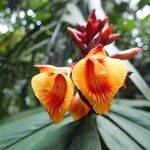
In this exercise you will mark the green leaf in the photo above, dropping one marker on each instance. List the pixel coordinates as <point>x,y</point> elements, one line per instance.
<point>125,127</point>
<point>125,24</point>
<point>13,131</point>
<point>113,136</point>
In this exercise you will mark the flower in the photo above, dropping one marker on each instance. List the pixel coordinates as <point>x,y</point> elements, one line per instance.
<point>54,89</point>
<point>93,34</point>
<point>99,77</point>
<point>78,108</point>
<point>96,76</point>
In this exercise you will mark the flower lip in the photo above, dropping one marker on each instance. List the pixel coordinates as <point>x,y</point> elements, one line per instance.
<point>99,78</point>
<point>54,91</point>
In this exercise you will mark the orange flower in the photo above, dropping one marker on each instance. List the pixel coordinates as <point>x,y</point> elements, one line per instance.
<point>54,89</point>
<point>99,77</point>
<point>78,108</point>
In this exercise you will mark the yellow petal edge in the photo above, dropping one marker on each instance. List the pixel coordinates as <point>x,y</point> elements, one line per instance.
<point>99,78</point>
<point>55,92</point>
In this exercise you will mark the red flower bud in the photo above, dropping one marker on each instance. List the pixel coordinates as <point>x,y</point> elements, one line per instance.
<point>102,24</point>
<point>93,16</point>
<point>127,54</point>
<point>80,27</point>
<point>112,38</point>
<point>92,34</point>
<point>106,33</point>
<point>76,36</point>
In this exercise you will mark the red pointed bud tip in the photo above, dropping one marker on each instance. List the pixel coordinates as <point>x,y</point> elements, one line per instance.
<point>93,16</point>
<point>73,32</point>
<point>113,38</point>
<point>96,25</point>
<point>127,54</point>
<point>80,27</point>
<point>89,30</point>
<point>106,32</point>
<point>103,22</point>
<point>76,36</point>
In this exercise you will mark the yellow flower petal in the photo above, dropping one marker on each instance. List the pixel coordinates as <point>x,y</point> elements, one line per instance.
<point>78,108</point>
<point>55,92</point>
<point>52,69</point>
<point>99,78</point>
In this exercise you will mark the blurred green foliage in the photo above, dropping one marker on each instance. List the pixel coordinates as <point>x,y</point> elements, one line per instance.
<point>33,32</point>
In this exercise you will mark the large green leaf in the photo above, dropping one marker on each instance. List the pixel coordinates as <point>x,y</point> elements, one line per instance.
<point>126,127</point>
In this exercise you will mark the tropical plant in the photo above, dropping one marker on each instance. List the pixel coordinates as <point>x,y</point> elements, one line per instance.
<point>43,40</point>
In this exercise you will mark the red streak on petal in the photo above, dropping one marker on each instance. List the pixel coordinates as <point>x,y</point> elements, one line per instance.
<point>100,87</point>
<point>56,97</point>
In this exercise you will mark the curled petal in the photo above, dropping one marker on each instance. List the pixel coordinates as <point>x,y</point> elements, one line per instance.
<point>51,69</point>
<point>99,78</point>
<point>127,54</point>
<point>78,108</point>
<point>55,92</point>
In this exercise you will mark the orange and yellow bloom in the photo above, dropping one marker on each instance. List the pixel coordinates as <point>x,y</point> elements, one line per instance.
<point>96,77</point>
<point>78,108</point>
<point>54,89</point>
